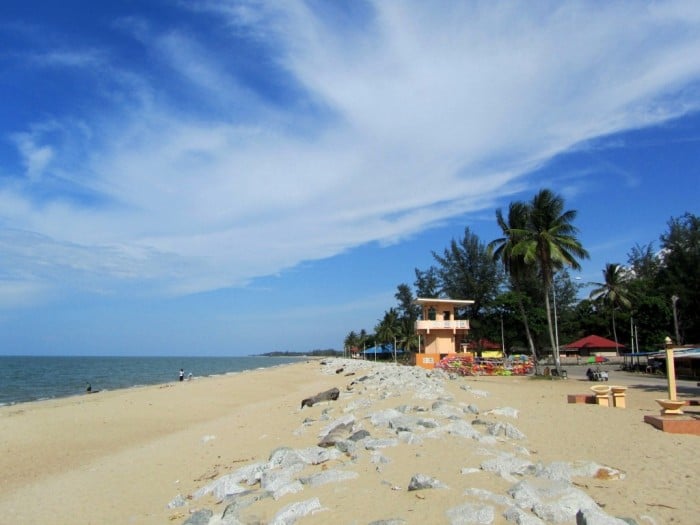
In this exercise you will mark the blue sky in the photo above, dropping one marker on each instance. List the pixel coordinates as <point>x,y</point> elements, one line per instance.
<point>225,178</point>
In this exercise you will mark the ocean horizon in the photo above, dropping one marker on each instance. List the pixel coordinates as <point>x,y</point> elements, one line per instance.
<point>35,378</point>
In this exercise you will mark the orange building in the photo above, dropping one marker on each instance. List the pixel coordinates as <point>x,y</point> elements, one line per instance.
<point>440,333</point>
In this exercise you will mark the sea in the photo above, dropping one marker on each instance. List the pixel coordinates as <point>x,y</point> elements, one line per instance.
<point>33,378</point>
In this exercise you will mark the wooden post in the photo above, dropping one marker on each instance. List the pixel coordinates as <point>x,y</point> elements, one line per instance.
<point>670,370</point>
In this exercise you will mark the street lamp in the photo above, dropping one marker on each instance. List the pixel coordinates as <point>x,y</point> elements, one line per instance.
<point>674,300</point>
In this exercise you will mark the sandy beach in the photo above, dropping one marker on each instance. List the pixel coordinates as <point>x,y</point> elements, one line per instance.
<point>122,457</point>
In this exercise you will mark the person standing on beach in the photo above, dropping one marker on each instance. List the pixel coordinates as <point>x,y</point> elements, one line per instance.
<point>182,375</point>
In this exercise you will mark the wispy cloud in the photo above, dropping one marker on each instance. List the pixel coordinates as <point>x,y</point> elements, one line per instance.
<point>414,114</point>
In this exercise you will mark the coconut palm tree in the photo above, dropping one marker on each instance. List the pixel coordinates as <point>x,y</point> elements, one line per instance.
<point>613,290</point>
<point>517,270</point>
<point>388,329</point>
<point>407,337</point>
<point>549,244</point>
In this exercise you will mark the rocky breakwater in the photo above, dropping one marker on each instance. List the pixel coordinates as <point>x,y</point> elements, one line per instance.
<point>390,416</point>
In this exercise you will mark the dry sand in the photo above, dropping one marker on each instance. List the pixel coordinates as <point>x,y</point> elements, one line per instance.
<point>119,457</point>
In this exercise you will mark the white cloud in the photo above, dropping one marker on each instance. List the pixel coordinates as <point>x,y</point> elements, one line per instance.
<point>35,158</point>
<point>422,112</point>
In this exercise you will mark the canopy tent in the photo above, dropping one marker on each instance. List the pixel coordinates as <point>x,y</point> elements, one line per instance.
<point>591,344</point>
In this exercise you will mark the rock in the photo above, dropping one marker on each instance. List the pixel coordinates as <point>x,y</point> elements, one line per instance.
<point>374,444</point>
<point>462,428</point>
<point>199,517</point>
<point>428,423</point>
<point>422,482</point>
<point>281,482</point>
<point>443,409</point>
<point>177,502</point>
<point>562,470</point>
<point>292,512</point>
<point>596,516</point>
<point>480,393</point>
<point>486,495</point>
<point>496,429</point>
<point>506,465</point>
<point>472,409</point>
<point>337,431</point>
<point>520,517</point>
<point>285,457</point>
<point>359,435</point>
<point>468,513</point>
<point>505,411</point>
<point>346,446</point>
<point>379,459</point>
<point>241,501</point>
<point>329,476</point>
<point>328,395</point>
<point>410,438</point>
<point>404,423</point>
<point>384,417</point>
<point>552,501</point>
<point>222,487</point>
<point>592,469</point>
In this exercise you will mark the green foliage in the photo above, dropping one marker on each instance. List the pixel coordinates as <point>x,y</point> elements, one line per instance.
<point>427,283</point>
<point>512,278</point>
<point>466,270</point>
<point>614,291</point>
<point>679,274</point>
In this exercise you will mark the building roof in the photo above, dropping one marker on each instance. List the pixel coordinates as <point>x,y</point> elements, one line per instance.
<point>485,344</point>
<point>594,341</point>
<point>456,302</point>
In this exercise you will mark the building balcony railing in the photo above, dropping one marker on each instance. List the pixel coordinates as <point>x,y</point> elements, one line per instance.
<point>457,324</point>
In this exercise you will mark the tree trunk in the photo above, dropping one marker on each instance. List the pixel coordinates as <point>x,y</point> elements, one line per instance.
<point>528,335</point>
<point>617,348</point>
<point>555,350</point>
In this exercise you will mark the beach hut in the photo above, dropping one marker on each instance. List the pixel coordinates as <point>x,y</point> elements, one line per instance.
<point>593,345</point>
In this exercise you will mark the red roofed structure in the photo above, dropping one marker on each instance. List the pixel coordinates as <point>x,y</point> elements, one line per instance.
<point>593,345</point>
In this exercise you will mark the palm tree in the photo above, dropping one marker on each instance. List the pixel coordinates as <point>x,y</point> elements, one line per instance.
<point>407,336</point>
<point>350,342</point>
<point>549,243</point>
<point>387,330</point>
<point>613,290</point>
<point>502,249</point>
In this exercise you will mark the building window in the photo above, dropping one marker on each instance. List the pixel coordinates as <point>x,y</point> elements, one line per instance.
<point>431,314</point>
